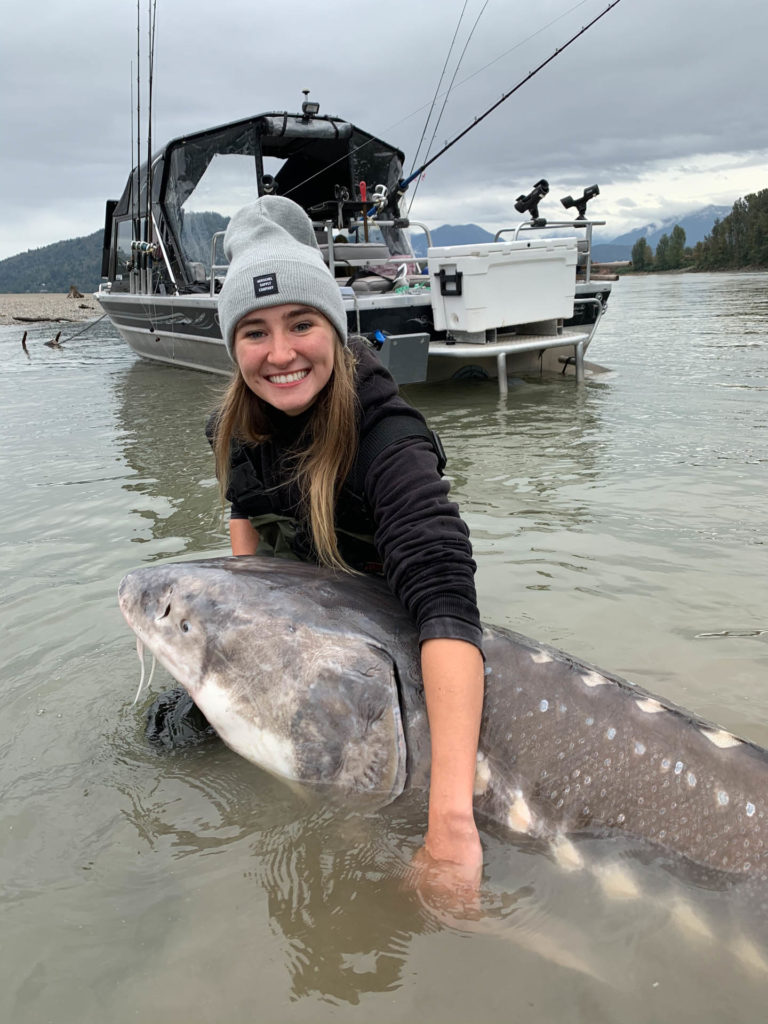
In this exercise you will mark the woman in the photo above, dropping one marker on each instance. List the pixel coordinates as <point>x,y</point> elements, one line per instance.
<point>321,459</point>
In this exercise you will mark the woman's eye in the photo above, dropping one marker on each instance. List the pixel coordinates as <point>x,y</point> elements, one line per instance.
<point>303,325</point>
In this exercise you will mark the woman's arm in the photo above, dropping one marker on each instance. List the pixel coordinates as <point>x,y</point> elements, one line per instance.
<point>243,537</point>
<point>453,684</point>
<point>429,566</point>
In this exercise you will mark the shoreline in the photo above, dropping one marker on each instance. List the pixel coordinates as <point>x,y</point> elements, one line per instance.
<point>29,308</point>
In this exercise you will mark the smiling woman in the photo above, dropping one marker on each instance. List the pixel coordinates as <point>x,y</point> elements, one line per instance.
<point>323,461</point>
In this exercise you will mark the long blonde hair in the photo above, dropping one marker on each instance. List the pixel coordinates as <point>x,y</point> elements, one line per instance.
<point>322,467</point>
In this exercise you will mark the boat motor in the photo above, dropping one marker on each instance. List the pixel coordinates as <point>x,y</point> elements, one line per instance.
<point>530,203</point>
<point>581,203</point>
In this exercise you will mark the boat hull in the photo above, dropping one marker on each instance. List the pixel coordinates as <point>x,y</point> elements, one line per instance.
<point>183,330</point>
<point>177,330</point>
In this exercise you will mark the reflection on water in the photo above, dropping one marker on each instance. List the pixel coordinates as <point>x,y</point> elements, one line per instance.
<point>324,875</point>
<point>161,418</point>
<point>623,521</point>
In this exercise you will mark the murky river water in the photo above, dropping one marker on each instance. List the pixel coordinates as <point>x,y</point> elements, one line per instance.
<point>623,521</point>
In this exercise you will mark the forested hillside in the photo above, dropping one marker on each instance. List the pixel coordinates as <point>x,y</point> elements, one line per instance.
<point>55,267</point>
<point>78,260</point>
<point>739,240</point>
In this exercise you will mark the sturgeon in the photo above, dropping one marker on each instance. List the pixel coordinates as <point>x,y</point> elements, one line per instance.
<point>315,677</point>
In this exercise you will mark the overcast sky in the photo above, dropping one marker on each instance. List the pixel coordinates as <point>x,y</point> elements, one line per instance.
<point>662,103</point>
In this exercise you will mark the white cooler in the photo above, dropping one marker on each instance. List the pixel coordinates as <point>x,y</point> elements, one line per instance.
<point>475,288</point>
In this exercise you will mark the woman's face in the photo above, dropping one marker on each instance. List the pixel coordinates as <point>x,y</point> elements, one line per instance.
<point>285,354</point>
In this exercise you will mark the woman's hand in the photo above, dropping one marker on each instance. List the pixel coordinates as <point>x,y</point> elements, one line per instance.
<point>449,867</point>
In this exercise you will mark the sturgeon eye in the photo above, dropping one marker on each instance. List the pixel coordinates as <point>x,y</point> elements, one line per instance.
<point>184,626</point>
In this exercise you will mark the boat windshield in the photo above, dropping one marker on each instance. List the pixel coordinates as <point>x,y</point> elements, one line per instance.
<point>211,175</point>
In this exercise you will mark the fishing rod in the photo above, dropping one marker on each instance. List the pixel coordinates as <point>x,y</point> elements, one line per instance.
<point>405,182</point>
<point>148,175</point>
<point>137,229</point>
<point>133,190</point>
<point>151,22</point>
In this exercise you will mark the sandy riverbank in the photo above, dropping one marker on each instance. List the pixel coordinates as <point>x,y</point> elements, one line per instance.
<point>42,307</point>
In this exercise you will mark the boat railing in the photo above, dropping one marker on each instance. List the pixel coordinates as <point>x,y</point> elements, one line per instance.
<point>530,225</point>
<point>216,266</point>
<point>396,224</point>
<point>599,305</point>
<point>169,269</point>
<point>329,228</point>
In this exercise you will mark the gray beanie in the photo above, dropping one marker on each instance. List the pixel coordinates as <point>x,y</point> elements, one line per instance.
<point>275,259</point>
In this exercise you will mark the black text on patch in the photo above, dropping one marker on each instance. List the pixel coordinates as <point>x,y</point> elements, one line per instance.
<point>265,284</point>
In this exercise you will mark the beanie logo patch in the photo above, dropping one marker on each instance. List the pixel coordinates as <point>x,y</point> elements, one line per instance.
<point>265,284</point>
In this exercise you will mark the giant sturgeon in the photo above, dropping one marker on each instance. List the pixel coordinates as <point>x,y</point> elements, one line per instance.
<point>315,677</point>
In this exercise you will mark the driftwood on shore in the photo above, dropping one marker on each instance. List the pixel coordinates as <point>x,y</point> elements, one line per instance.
<point>44,320</point>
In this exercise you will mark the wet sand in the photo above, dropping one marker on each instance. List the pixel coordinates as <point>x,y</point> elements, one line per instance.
<point>43,307</point>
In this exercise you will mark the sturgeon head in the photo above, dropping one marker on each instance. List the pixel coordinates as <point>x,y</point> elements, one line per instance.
<point>285,670</point>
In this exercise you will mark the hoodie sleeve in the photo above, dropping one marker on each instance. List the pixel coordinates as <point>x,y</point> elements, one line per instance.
<point>420,535</point>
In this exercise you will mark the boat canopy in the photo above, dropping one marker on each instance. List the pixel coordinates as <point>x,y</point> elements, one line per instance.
<point>198,181</point>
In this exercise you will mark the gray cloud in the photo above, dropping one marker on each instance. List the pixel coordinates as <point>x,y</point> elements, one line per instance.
<point>655,80</point>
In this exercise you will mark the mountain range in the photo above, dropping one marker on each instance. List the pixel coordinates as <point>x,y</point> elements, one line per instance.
<point>77,261</point>
<point>696,226</point>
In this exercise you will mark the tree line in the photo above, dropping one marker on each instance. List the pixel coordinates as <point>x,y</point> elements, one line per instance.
<point>737,242</point>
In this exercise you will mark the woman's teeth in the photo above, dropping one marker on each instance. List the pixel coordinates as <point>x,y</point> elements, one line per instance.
<point>288,378</point>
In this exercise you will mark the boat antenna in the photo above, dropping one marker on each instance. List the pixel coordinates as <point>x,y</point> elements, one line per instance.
<point>405,182</point>
<point>439,83</point>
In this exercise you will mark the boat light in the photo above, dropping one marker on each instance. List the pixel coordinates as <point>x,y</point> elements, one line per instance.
<point>309,108</point>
